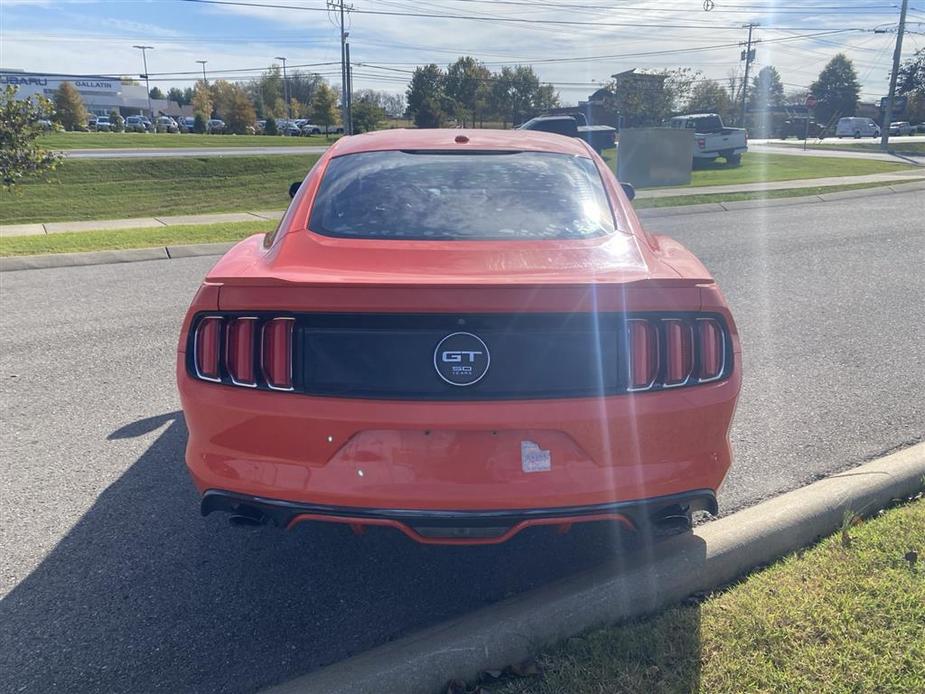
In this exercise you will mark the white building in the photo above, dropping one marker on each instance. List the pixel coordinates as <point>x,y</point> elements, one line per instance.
<point>101,94</point>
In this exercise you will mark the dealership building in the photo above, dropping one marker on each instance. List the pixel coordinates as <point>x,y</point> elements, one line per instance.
<point>101,94</point>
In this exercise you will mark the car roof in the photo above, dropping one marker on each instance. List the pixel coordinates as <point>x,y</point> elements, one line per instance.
<point>446,139</point>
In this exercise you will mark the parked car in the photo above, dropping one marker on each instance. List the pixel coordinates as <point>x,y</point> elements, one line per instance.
<point>166,124</point>
<point>186,124</point>
<point>45,124</point>
<point>712,139</point>
<point>260,126</point>
<point>801,127</point>
<point>136,124</point>
<point>459,334</point>
<point>857,127</point>
<point>332,130</point>
<point>287,127</point>
<point>600,137</point>
<point>91,121</point>
<point>310,129</point>
<point>902,127</point>
<point>102,125</point>
<point>215,126</point>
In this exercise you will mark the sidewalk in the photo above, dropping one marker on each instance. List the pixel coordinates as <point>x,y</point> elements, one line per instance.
<point>273,215</point>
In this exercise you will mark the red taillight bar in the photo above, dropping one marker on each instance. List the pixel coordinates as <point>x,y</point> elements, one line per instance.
<point>679,352</point>
<point>277,353</point>
<point>643,353</point>
<point>712,348</point>
<point>239,351</point>
<point>207,341</point>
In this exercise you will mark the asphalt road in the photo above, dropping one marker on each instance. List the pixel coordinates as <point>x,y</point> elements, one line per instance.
<point>113,582</point>
<point>161,153</point>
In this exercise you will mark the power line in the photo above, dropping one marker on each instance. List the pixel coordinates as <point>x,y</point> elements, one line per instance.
<point>516,20</point>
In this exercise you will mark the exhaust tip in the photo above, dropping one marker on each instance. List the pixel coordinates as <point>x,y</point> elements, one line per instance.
<point>246,517</point>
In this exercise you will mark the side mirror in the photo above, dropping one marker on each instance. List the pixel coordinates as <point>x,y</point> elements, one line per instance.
<point>629,190</point>
<point>294,188</point>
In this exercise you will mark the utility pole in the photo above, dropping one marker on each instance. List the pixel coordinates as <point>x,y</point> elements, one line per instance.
<point>286,88</point>
<point>349,129</point>
<point>144,60</point>
<point>203,63</point>
<point>897,53</point>
<point>748,55</point>
<point>341,8</point>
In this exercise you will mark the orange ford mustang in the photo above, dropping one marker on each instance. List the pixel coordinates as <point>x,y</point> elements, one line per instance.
<point>459,334</point>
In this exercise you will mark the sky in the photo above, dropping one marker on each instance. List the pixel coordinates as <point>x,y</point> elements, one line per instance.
<point>575,45</point>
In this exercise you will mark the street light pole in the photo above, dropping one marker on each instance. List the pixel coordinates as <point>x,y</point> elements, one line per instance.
<point>204,79</point>
<point>897,54</point>
<point>144,60</point>
<point>749,56</point>
<point>286,87</point>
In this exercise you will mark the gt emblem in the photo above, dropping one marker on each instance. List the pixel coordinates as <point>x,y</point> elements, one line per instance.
<point>461,359</point>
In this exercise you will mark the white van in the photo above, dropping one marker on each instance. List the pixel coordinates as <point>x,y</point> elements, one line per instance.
<point>856,127</point>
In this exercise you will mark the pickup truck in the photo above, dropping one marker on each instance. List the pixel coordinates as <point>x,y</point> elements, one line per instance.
<point>712,139</point>
<point>600,137</point>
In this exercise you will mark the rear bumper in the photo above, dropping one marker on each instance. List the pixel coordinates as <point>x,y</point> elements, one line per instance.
<point>460,527</point>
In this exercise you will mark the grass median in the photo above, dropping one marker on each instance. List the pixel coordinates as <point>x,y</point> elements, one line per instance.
<point>119,188</point>
<point>844,616</point>
<point>758,167</point>
<point>65,141</point>
<point>897,145</point>
<point>78,242</point>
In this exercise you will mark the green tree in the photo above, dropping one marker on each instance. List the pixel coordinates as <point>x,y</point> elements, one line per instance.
<point>156,93</point>
<point>117,121</point>
<point>324,106</point>
<point>709,96</point>
<point>181,96</point>
<point>426,97</point>
<point>199,124</point>
<point>20,155</point>
<point>911,76</point>
<point>837,89</point>
<point>366,115</point>
<point>202,100</point>
<point>270,128</point>
<point>467,85</point>
<point>767,89</point>
<point>70,111</point>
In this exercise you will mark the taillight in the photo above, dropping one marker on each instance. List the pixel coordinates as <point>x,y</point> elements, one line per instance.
<point>277,353</point>
<point>207,347</point>
<point>239,351</point>
<point>642,342</point>
<point>711,345</point>
<point>679,351</point>
<point>701,143</point>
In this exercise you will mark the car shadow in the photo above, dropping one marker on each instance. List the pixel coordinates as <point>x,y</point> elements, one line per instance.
<point>143,594</point>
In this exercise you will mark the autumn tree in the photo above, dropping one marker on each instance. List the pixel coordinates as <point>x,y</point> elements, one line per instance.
<point>836,90</point>
<point>202,100</point>
<point>20,155</point>
<point>324,106</point>
<point>239,114</point>
<point>70,111</point>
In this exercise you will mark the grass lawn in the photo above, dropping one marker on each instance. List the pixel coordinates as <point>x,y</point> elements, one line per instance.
<point>897,144</point>
<point>77,242</point>
<point>761,166</point>
<point>174,140</point>
<point>843,616</point>
<point>678,200</point>
<point>117,188</point>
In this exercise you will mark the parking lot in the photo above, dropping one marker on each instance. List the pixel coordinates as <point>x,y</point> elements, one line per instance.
<point>112,581</point>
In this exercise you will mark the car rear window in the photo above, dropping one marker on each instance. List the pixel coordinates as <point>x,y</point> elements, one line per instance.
<point>453,195</point>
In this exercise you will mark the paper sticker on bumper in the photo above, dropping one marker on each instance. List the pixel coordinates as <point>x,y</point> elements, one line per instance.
<point>533,458</point>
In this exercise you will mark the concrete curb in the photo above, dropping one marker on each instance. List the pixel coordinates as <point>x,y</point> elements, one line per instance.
<point>714,555</point>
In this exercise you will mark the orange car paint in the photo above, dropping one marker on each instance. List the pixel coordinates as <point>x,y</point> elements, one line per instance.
<point>457,455</point>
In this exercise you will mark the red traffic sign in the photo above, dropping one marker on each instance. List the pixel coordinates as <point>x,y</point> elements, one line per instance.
<point>810,101</point>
